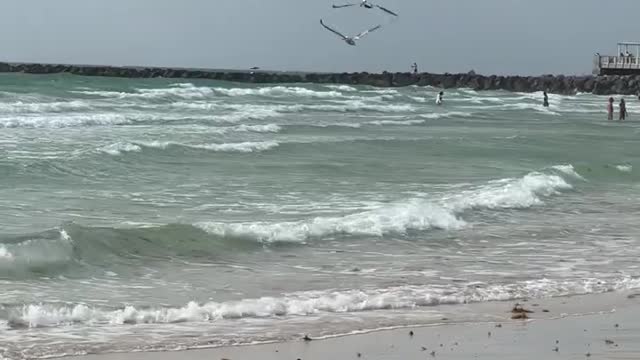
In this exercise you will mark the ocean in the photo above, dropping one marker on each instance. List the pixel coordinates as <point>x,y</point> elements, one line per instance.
<point>159,214</point>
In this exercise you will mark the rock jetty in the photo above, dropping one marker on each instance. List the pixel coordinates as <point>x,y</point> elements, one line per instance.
<point>559,84</point>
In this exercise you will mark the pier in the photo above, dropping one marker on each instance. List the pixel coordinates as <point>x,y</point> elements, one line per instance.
<point>625,62</point>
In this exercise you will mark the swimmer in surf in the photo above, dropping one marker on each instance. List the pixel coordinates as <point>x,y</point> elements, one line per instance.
<point>610,109</point>
<point>439,98</point>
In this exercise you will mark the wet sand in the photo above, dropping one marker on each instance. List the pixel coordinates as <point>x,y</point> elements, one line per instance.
<point>611,332</point>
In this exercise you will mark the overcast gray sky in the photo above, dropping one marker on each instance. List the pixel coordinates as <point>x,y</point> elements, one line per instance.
<point>489,36</point>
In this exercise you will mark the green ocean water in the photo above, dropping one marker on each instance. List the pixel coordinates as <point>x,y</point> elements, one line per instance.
<point>201,213</point>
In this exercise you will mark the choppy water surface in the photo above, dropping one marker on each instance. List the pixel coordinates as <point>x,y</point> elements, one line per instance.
<point>150,214</point>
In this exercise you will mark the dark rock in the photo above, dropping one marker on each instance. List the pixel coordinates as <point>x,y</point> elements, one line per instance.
<point>600,85</point>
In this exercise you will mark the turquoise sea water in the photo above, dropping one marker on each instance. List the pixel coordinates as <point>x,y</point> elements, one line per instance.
<point>155,214</point>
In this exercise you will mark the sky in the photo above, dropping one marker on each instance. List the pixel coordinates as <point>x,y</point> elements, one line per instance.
<point>501,37</point>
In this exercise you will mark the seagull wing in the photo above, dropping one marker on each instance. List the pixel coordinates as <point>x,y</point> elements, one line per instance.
<point>359,36</point>
<point>333,31</point>
<point>386,10</point>
<point>343,6</point>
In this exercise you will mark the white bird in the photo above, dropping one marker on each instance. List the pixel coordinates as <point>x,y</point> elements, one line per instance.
<point>351,40</point>
<point>366,4</point>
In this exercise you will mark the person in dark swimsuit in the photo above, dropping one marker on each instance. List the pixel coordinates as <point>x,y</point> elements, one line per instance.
<point>623,110</point>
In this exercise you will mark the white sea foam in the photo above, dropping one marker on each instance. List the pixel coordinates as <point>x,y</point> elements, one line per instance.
<point>313,303</point>
<point>446,115</point>
<point>383,91</point>
<point>5,254</point>
<point>60,121</point>
<point>119,148</point>
<point>398,218</point>
<point>354,105</point>
<point>341,87</point>
<point>267,128</point>
<point>396,122</point>
<point>413,214</point>
<point>354,125</point>
<point>522,106</point>
<point>278,91</point>
<point>243,147</point>
<point>185,91</point>
<point>248,114</point>
<point>624,168</point>
<point>233,113</point>
<point>568,170</point>
<point>43,107</point>
<point>240,147</point>
<point>418,99</point>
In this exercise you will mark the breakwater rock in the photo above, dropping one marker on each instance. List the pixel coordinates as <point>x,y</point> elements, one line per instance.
<point>602,85</point>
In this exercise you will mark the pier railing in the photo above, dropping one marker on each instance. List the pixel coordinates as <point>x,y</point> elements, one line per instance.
<point>604,64</point>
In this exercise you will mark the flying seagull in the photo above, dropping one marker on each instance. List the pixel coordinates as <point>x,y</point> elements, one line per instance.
<point>368,5</point>
<point>351,40</point>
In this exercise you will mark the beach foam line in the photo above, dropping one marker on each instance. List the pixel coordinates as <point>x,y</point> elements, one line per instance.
<point>312,303</point>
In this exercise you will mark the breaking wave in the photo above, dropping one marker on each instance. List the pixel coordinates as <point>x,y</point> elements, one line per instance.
<point>624,168</point>
<point>241,147</point>
<point>187,91</point>
<point>44,107</point>
<point>414,214</point>
<point>119,148</point>
<point>397,122</point>
<point>446,115</point>
<point>278,91</point>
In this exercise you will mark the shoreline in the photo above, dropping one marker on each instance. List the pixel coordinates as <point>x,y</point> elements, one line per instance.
<point>560,84</point>
<point>611,330</point>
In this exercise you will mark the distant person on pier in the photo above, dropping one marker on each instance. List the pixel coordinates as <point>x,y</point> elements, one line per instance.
<point>545,102</point>
<point>439,98</point>
<point>610,109</point>
<point>623,110</point>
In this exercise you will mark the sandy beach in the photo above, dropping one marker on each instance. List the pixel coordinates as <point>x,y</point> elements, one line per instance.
<point>610,332</point>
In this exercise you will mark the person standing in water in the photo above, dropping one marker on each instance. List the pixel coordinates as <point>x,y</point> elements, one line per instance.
<point>545,102</point>
<point>623,110</point>
<point>439,98</point>
<point>610,109</point>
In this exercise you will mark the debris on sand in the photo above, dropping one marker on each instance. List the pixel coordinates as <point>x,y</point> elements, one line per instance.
<point>519,309</point>
<point>519,312</point>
